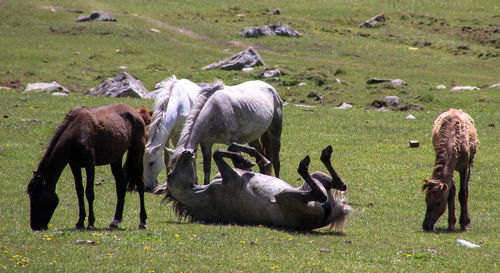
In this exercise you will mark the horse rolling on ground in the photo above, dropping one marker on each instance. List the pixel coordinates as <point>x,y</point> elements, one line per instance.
<point>242,113</point>
<point>455,142</point>
<point>248,198</point>
<point>87,138</point>
<point>170,111</point>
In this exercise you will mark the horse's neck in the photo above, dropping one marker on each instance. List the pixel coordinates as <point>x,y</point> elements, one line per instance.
<point>445,163</point>
<point>53,164</point>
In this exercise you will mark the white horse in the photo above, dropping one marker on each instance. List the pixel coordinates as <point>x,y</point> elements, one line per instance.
<point>171,109</point>
<point>244,113</point>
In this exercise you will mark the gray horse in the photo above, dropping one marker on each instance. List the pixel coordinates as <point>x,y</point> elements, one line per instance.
<point>247,198</point>
<point>242,113</point>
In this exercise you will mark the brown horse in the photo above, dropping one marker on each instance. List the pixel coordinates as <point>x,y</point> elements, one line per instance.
<point>87,138</point>
<point>146,114</point>
<point>455,142</point>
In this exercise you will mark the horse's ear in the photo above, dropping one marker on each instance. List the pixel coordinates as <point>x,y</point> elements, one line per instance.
<point>443,187</point>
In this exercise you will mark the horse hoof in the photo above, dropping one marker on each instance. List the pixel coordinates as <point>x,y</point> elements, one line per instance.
<point>90,227</point>
<point>79,227</point>
<point>143,226</point>
<point>112,226</point>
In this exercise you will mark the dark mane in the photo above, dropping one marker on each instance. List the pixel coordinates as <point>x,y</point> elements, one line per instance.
<point>179,209</point>
<point>60,129</point>
<point>447,132</point>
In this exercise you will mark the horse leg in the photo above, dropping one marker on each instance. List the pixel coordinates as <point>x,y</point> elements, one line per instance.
<point>121,188</point>
<point>206,150</point>
<point>452,219</point>
<point>77,174</point>
<point>463,196</point>
<point>262,161</point>
<point>317,191</point>
<point>326,157</point>
<point>227,173</point>
<point>89,193</point>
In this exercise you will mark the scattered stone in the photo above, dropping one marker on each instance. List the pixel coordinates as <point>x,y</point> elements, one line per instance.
<point>414,144</point>
<point>53,87</point>
<point>464,88</point>
<point>274,29</point>
<point>441,86</point>
<point>394,82</point>
<point>271,73</point>
<point>324,250</point>
<point>497,85</point>
<point>339,81</point>
<point>59,94</point>
<point>393,100</point>
<point>344,106</point>
<point>121,85</point>
<point>277,11</point>
<point>410,116</point>
<point>466,243</point>
<point>247,69</point>
<point>315,96</point>
<point>373,21</point>
<point>123,67</point>
<point>249,57</point>
<point>302,84</point>
<point>96,16</point>
<point>5,87</point>
<point>305,106</point>
<point>154,30</point>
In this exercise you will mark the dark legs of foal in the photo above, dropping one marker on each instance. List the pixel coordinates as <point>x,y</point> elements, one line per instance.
<point>463,196</point>
<point>121,189</point>
<point>89,193</point>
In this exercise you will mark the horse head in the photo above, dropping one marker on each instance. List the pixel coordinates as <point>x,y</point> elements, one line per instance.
<point>43,202</point>
<point>436,200</point>
<point>153,164</point>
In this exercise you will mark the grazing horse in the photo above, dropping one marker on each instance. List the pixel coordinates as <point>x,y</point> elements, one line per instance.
<point>249,198</point>
<point>170,111</point>
<point>455,142</point>
<point>242,113</point>
<point>87,138</point>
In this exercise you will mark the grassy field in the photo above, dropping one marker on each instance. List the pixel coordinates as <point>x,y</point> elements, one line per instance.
<point>41,42</point>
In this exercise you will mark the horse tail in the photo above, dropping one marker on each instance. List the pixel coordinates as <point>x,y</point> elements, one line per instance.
<point>133,167</point>
<point>271,139</point>
<point>198,105</point>
<point>267,149</point>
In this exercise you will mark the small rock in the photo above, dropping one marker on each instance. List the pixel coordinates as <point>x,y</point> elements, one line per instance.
<point>497,85</point>
<point>247,69</point>
<point>302,84</point>
<point>315,96</point>
<point>154,30</point>
<point>96,16</point>
<point>324,250</point>
<point>45,87</point>
<point>414,144</point>
<point>372,21</point>
<point>271,73</point>
<point>393,100</point>
<point>441,86</point>
<point>277,11</point>
<point>410,116</point>
<point>344,106</point>
<point>249,57</point>
<point>463,88</point>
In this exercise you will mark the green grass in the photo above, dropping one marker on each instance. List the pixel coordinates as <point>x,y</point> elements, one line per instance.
<point>371,151</point>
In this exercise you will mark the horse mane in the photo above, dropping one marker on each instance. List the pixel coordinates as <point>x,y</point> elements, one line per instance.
<point>160,105</point>
<point>53,142</point>
<point>179,209</point>
<point>198,105</point>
